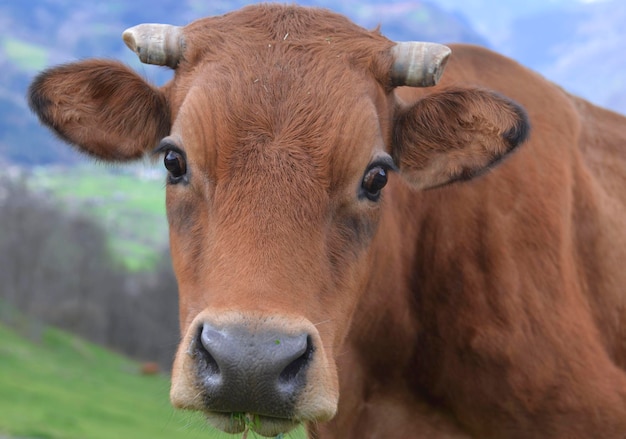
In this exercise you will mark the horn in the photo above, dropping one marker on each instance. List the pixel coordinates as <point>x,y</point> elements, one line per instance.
<point>158,44</point>
<point>418,64</point>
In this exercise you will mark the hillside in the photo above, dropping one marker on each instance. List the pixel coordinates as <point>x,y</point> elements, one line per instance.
<point>60,387</point>
<point>40,33</point>
<point>129,203</point>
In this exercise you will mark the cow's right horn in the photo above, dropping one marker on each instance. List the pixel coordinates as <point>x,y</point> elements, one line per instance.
<point>418,64</point>
<point>158,44</point>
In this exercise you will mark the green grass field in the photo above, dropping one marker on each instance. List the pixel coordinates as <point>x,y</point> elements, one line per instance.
<point>61,387</point>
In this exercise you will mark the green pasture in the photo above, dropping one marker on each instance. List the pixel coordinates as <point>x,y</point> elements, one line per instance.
<point>60,387</point>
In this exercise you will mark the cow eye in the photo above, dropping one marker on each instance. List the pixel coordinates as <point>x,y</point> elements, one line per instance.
<point>175,164</point>
<point>374,181</point>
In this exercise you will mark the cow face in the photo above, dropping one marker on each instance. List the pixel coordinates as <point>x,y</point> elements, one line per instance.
<point>281,136</point>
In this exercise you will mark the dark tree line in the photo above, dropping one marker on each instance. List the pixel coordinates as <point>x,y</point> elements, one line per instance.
<point>56,268</point>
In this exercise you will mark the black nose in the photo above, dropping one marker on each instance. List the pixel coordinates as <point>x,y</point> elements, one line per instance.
<point>260,372</point>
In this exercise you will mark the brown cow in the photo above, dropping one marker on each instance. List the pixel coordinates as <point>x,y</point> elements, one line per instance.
<point>492,308</point>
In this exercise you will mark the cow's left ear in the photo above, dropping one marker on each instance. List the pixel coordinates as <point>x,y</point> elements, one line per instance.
<point>455,135</point>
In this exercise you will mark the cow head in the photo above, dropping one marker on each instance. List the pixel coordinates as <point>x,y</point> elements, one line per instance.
<point>279,132</point>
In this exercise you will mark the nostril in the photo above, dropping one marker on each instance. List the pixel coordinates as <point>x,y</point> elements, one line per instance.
<point>206,363</point>
<point>293,369</point>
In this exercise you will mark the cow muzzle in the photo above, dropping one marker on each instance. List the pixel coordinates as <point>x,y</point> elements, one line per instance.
<point>267,374</point>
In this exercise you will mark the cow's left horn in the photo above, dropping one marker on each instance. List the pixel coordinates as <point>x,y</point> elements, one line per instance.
<point>418,64</point>
<point>158,44</point>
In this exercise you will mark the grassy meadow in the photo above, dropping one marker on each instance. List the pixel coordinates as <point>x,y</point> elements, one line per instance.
<point>63,387</point>
<point>60,387</point>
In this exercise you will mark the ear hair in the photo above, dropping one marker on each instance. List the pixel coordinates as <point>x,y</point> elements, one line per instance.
<point>102,107</point>
<point>456,134</point>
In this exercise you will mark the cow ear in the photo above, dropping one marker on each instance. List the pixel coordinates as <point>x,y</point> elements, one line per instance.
<point>455,135</point>
<point>102,107</point>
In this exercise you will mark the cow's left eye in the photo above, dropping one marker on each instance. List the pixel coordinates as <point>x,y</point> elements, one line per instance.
<point>374,181</point>
<point>175,164</point>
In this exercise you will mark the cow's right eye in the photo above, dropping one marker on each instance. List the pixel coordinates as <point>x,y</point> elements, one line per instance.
<point>376,176</point>
<point>374,181</point>
<point>176,165</point>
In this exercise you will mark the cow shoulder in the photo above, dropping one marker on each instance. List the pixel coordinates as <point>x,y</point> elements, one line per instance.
<point>102,107</point>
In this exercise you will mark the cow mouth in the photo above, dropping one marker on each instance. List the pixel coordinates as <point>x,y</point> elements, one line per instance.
<point>239,422</point>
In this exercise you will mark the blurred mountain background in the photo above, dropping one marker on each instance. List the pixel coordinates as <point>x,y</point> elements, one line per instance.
<point>578,44</point>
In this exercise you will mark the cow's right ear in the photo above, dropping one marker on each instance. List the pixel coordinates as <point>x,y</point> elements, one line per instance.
<point>102,107</point>
<point>456,134</point>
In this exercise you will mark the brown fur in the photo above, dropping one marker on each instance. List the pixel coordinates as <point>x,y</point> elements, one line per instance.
<point>491,308</point>
<point>88,105</point>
